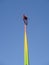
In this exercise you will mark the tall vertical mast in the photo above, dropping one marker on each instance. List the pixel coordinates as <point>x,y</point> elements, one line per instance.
<point>26,59</point>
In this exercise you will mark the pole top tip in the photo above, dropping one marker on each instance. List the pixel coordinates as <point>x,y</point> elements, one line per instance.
<point>25,19</point>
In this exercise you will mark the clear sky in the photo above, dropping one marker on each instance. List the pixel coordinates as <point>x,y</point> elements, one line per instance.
<point>12,31</point>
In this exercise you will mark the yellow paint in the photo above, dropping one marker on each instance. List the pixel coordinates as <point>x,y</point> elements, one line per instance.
<point>26,59</point>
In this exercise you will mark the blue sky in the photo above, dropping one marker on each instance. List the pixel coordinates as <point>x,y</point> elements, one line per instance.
<point>12,31</point>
